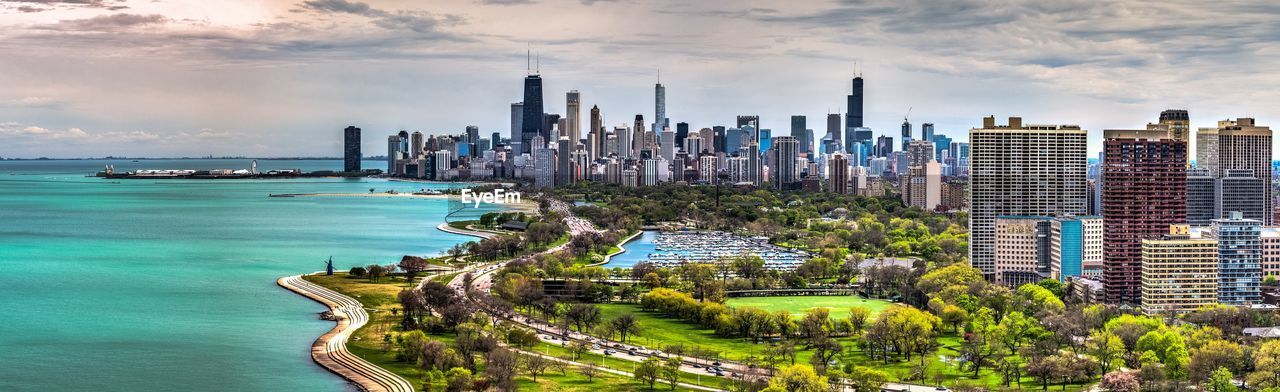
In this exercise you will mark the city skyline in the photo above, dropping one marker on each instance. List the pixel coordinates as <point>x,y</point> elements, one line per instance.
<point>167,79</point>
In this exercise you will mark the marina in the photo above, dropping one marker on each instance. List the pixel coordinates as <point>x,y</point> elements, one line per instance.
<point>672,248</point>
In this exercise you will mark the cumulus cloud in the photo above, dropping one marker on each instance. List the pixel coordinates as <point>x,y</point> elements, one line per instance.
<point>111,22</point>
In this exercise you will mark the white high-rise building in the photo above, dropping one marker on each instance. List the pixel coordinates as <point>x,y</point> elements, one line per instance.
<point>1022,169</point>
<point>668,141</point>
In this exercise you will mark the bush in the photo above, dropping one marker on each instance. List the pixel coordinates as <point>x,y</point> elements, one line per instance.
<point>357,271</point>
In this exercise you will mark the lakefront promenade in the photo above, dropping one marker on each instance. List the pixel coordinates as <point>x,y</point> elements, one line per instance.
<point>330,349</point>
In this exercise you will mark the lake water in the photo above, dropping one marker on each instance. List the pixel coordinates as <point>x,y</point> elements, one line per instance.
<point>126,285</point>
<point>638,250</point>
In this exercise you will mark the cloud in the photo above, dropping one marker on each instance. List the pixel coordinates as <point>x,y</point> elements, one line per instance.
<point>108,22</point>
<point>30,103</point>
<point>421,22</point>
<point>341,6</point>
<point>25,6</point>
<point>508,2</point>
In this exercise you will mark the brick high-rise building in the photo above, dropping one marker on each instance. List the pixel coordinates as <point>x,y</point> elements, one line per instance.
<point>1021,169</point>
<point>1144,191</point>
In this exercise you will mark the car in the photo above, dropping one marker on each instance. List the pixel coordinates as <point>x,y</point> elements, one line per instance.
<point>608,352</point>
<point>751,366</point>
<point>721,374</point>
<point>715,364</point>
<point>697,366</point>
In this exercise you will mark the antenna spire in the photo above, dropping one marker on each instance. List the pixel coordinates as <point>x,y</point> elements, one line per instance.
<point>528,58</point>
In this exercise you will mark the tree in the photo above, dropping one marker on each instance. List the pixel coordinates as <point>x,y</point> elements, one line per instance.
<point>865,379</point>
<point>1214,355</point>
<point>500,367</point>
<point>648,371</point>
<point>979,345</point>
<point>357,271</point>
<point>954,316</point>
<point>671,370</point>
<point>1120,382</point>
<point>797,378</point>
<point>590,371</point>
<point>457,379</point>
<point>535,365</point>
<point>583,316</point>
<point>412,265</point>
<point>625,324</point>
<point>1266,365</point>
<point>858,316</point>
<point>1220,381</point>
<point>375,272</point>
<point>429,379</point>
<point>577,348</point>
<point>1106,348</point>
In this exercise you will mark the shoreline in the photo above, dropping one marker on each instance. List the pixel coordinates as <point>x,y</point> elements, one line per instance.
<point>330,349</point>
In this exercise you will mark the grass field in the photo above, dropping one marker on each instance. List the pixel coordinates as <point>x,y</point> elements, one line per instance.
<point>797,305</point>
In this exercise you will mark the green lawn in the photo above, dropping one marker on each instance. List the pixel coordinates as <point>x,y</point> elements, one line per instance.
<point>657,331</point>
<point>838,304</point>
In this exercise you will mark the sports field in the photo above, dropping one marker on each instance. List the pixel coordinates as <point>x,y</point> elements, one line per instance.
<point>797,305</point>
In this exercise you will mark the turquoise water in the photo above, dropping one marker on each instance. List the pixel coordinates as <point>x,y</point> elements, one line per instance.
<point>125,285</point>
<point>638,250</point>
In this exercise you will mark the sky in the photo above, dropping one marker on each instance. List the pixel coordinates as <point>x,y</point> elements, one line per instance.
<point>166,78</point>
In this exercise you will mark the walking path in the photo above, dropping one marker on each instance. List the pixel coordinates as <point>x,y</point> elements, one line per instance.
<point>330,349</point>
<point>453,230</point>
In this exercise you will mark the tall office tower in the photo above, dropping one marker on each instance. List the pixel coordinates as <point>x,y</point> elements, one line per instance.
<point>708,166</point>
<point>531,119</point>
<point>564,163</point>
<point>786,150</point>
<point>884,146</point>
<point>799,132</point>
<point>573,109</point>
<point>765,140</point>
<point>752,152</point>
<point>544,167</point>
<point>693,146</point>
<point>732,140</point>
<point>1144,191</point>
<point>839,177</point>
<point>1179,272</point>
<point>351,149</point>
<point>598,137</point>
<point>668,141</point>
<point>473,137</point>
<point>1022,249</point>
<point>443,162</point>
<point>637,136</point>
<point>960,151</point>
<point>922,180</point>
<point>393,153</point>
<point>906,134</point>
<point>708,137</point>
<point>833,127</point>
<point>942,149</point>
<point>1240,191</point>
<point>1239,259</point>
<point>517,126</point>
<point>738,170</point>
<point>1207,150</point>
<point>404,144</point>
<point>1179,124</point>
<point>853,112</point>
<point>1019,169</point>
<point>1202,197</point>
<point>415,145</point>
<point>624,147</point>
<point>1245,145</point>
<point>495,141</point>
<point>926,131</point>
<point>659,106</point>
<point>717,139</point>
<point>1075,247</point>
<point>581,164</point>
<point>752,120</point>
<point>682,133</point>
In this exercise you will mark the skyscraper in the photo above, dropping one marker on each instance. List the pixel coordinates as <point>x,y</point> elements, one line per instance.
<point>564,163</point>
<point>926,132</point>
<point>1239,259</point>
<point>1245,145</point>
<point>853,112</point>
<point>573,103</point>
<point>786,151</point>
<point>351,149</point>
<point>393,153</point>
<point>906,134</point>
<point>1207,150</point>
<point>473,137</point>
<point>1144,191</point>
<point>415,144</point>
<point>833,127</point>
<point>659,106</point>
<point>799,133</point>
<point>597,129</point>
<point>839,177</point>
<point>922,181</point>
<point>668,141</point>
<point>637,137</point>
<point>531,121</point>
<point>1202,197</point>
<point>1179,124</point>
<point>682,132</point>
<point>517,127</point>
<point>1239,191</point>
<point>1019,169</point>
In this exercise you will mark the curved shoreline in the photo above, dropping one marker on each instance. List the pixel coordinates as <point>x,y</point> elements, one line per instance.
<point>453,230</point>
<point>622,248</point>
<point>330,350</point>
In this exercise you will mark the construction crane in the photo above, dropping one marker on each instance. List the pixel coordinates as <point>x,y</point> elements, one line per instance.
<point>904,117</point>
